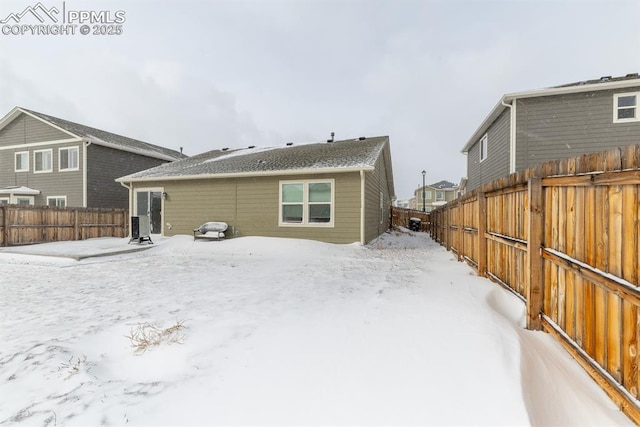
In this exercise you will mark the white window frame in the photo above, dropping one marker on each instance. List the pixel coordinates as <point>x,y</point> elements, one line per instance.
<point>57,198</point>
<point>35,155</point>
<point>305,203</point>
<point>484,148</point>
<point>25,164</point>
<point>616,109</point>
<point>440,195</point>
<point>16,200</point>
<point>68,150</point>
<point>428,195</point>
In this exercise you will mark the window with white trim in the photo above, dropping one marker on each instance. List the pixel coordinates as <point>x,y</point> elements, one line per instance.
<point>483,148</point>
<point>307,203</point>
<point>439,195</point>
<point>4,201</point>
<point>43,161</point>
<point>625,107</point>
<point>57,201</point>
<point>22,161</point>
<point>428,195</point>
<point>24,200</point>
<point>68,159</point>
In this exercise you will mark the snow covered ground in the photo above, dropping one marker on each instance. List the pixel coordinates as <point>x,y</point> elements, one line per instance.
<point>275,331</point>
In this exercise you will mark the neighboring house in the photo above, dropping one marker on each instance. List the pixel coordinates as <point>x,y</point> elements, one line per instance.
<point>49,161</point>
<point>435,195</point>
<point>528,128</point>
<point>337,192</point>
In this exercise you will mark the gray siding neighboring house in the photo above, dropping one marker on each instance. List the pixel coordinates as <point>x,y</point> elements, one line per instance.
<point>528,128</point>
<point>338,191</point>
<point>45,160</point>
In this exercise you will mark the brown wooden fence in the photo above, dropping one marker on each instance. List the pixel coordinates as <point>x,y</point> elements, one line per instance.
<point>564,237</point>
<point>400,218</point>
<point>21,225</point>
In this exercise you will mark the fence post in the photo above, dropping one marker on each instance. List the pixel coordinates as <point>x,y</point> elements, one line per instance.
<point>534,259</point>
<point>5,225</point>
<point>447,233</point>
<point>75,225</point>
<point>460,211</point>
<point>482,240</point>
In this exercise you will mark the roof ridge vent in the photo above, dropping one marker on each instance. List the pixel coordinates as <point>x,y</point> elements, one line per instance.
<point>289,144</point>
<point>252,146</point>
<point>362,138</point>
<point>605,78</point>
<point>225,149</point>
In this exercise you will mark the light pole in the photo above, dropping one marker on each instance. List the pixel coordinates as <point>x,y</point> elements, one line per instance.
<point>424,208</point>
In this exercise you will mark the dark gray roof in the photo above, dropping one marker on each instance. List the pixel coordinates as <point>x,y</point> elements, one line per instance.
<point>604,79</point>
<point>348,154</point>
<point>113,140</point>
<point>444,185</point>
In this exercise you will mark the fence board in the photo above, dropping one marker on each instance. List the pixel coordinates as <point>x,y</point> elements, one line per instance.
<point>587,276</point>
<point>21,225</point>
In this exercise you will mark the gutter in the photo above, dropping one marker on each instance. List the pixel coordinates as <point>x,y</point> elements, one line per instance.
<point>244,174</point>
<point>129,187</point>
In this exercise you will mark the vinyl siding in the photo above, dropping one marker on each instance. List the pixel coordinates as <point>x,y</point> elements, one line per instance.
<point>555,127</point>
<point>55,183</point>
<point>496,164</point>
<point>376,182</point>
<point>25,129</point>
<point>104,166</point>
<point>250,206</point>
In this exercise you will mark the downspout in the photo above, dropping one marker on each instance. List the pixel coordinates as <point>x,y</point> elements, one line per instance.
<point>362,238</point>
<point>84,173</point>
<point>512,134</point>
<point>129,187</point>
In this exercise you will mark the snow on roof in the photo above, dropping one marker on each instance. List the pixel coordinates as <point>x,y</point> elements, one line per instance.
<point>346,154</point>
<point>19,190</point>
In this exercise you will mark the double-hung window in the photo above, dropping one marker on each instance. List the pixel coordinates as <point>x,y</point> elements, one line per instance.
<point>625,107</point>
<point>307,203</point>
<point>22,161</point>
<point>439,195</point>
<point>68,159</point>
<point>43,161</point>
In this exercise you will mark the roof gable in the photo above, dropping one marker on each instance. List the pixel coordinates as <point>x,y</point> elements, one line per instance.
<point>603,83</point>
<point>359,154</point>
<point>95,136</point>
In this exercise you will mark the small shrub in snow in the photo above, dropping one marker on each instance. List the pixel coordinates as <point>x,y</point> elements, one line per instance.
<point>146,335</point>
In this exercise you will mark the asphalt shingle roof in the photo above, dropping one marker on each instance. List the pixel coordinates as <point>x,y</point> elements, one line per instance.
<point>115,140</point>
<point>352,153</point>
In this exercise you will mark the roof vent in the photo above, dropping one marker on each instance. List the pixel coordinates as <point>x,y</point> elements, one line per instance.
<point>252,146</point>
<point>289,144</point>
<point>262,162</point>
<point>225,148</point>
<point>605,78</point>
<point>632,75</point>
<point>332,135</point>
<point>362,138</point>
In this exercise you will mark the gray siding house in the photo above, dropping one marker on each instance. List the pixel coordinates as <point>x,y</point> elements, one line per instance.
<point>45,160</point>
<point>337,191</point>
<point>528,128</point>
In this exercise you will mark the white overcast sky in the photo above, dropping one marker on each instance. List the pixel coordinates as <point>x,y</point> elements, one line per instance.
<point>212,74</point>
